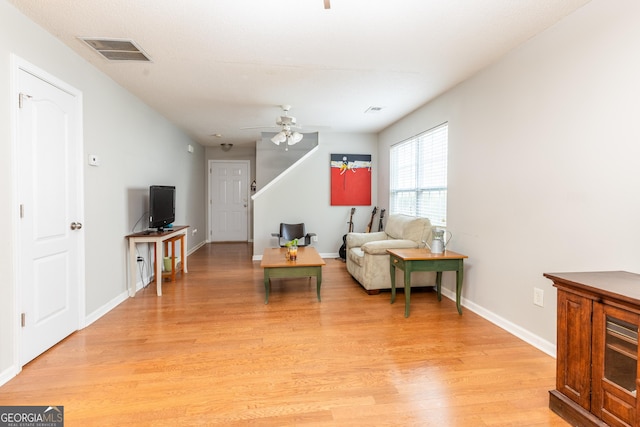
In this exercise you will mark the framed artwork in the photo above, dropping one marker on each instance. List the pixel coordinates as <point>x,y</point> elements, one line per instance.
<point>350,179</point>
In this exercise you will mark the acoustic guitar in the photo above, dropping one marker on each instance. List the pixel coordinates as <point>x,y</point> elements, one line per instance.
<point>343,249</point>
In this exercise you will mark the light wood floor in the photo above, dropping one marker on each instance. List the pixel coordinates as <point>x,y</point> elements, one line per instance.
<point>209,352</point>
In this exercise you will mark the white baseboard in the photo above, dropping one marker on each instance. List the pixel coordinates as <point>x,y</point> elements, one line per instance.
<point>525,335</point>
<point>95,315</point>
<point>196,247</point>
<point>8,374</point>
<point>124,295</point>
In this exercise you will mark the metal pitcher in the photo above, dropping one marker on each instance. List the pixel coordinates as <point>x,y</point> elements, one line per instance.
<point>440,238</point>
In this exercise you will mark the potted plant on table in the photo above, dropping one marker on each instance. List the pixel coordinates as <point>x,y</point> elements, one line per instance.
<point>292,249</point>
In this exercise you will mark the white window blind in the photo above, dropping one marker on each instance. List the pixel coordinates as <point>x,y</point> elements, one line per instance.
<point>419,176</point>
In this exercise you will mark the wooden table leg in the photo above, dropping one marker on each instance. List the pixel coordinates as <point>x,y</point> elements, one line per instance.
<point>393,282</point>
<point>407,289</point>
<point>173,260</point>
<point>267,285</point>
<point>183,259</point>
<point>459,273</point>
<point>439,285</point>
<point>132,268</point>
<point>159,261</point>
<point>319,282</point>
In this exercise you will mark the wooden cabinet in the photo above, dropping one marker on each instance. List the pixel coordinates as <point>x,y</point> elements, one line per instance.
<point>597,348</point>
<point>615,365</point>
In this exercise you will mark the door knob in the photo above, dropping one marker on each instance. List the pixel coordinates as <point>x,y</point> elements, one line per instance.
<point>76,225</point>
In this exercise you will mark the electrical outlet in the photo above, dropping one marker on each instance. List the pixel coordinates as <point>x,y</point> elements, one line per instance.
<point>538,297</point>
<point>314,238</point>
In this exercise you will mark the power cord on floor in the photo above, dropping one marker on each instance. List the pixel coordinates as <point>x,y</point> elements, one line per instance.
<point>140,260</point>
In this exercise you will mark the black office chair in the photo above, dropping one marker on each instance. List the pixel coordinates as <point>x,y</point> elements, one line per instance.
<point>288,232</point>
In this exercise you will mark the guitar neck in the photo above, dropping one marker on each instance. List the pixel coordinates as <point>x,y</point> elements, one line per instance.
<point>353,211</point>
<point>370,225</point>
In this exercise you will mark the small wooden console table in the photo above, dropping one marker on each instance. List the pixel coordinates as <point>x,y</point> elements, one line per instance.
<point>410,260</point>
<point>170,234</point>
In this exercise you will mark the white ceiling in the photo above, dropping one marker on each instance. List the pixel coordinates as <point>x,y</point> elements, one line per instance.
<point>221,65</point>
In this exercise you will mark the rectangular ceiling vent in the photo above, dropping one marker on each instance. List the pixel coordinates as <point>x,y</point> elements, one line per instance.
<point>117,49</point>
<point>373,110</point>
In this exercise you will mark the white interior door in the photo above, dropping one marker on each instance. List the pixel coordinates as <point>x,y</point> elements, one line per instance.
<point>49,132</point>
<point>228,200</point>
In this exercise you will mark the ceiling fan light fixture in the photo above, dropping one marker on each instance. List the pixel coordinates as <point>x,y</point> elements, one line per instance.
<point>286,135</point>
<point>279,137</point>
<point>295,138</point>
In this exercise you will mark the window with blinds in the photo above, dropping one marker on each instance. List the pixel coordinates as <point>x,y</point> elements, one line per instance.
<point>418,175</point>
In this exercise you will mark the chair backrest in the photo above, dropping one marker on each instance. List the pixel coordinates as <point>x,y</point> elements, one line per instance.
<point>289,232</point>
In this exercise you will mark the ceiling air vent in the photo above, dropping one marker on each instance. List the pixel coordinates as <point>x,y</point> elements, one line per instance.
<point>117,49</point>
<point>373,110</point>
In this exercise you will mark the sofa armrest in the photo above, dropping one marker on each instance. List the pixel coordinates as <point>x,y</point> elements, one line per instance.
<point>380,247</point>
<point>355,240</point>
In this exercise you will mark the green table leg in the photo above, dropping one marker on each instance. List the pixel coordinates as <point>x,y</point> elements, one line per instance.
<point>267,286</point>
<point>459,273</point>
<point>291,272</point>
<point>439,285</point>
<point>393,283</point>
<point>407,289</point>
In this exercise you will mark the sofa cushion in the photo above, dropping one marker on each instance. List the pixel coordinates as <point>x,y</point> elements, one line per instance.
<point>408,227</point>
<point>417,230</point>
<point>359,239</point>
<point>395,226</point>
<point>356,255</point>
<point>380,247</point>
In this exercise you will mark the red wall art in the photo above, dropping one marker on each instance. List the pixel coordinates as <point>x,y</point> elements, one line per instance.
<point>351,179</point>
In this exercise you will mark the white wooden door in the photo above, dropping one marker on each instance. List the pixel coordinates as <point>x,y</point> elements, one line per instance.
<point>228,200</point>
<point>49,140</point>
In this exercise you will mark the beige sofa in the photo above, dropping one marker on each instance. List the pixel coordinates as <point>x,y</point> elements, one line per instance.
<point>367,258</point>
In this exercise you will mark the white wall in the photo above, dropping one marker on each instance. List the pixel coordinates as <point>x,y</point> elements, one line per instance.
<point>137,147</point>
<point>302,194</point>
<point>543,163</point>
<point>274,159</point>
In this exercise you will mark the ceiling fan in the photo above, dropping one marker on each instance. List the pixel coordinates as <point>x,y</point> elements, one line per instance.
<point>287,124</point>
<point>286,134</point>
